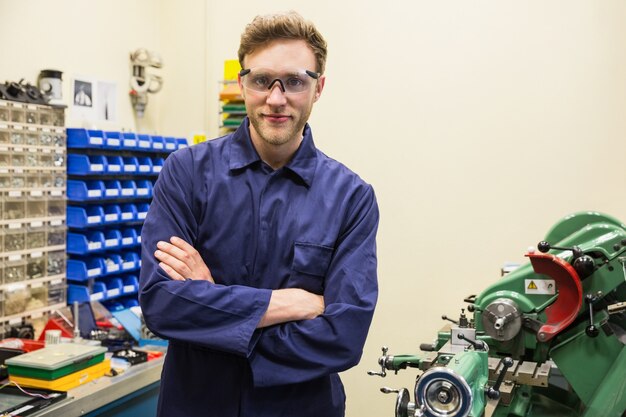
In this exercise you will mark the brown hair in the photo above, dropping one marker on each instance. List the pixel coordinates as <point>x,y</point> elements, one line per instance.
<point>265,29</point>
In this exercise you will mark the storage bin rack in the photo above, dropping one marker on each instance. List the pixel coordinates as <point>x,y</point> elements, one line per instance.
<point>232,107</point>
<point>110,180</point>
<point>32,214</point>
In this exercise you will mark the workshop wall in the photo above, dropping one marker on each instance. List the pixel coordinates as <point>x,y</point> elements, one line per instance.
<point>480,124</point>
<point>94,39</point>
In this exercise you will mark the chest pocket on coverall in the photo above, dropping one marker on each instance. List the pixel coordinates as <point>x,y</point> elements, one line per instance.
<point>309,267</point>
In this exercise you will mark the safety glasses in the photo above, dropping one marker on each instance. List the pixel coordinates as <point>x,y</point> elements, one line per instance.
<point>290,81</point>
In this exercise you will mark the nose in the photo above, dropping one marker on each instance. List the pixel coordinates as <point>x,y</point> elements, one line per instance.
<point>276,97</point>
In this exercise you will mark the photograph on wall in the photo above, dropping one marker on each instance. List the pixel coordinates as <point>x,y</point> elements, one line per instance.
<point>82,99</point>
<point>83,93</point>
<point>105,101</point>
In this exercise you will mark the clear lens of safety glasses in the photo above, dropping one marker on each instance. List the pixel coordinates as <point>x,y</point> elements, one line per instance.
<point>262,80</point>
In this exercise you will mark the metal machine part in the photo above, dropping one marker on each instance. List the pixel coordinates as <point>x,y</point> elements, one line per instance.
<point>547,339</point>
<point>441,392</point>
<point>502,319</point>
<point>141,81</point>
<point>404,406</point>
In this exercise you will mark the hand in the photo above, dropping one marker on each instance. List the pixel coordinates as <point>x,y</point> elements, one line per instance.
<point>292,304</point>
<point>180,260</point>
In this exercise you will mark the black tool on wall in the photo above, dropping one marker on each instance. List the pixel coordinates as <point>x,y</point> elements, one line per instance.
<point>22,92</point>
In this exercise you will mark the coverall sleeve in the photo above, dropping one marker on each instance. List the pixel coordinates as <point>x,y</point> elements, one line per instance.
<point>333,342</point>
<point>219,317</point>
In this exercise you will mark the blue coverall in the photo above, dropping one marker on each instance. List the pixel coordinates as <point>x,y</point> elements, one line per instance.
<point>310,224</point>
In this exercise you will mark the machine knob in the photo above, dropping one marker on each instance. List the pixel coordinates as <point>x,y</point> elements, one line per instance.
<point>584,266</point>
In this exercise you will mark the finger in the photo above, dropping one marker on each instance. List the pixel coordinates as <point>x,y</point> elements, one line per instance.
<point>173,262</point>
<point>183,245</point>
<point>171,272</point>
<point>174,251</point>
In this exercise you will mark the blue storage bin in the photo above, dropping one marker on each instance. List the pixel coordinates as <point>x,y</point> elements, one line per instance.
<point>82,269</point>
<point>112,263</point>
<point>83,243</point>
<point>112,213</point>
<point>144,189</point>
<point>130,165</point>
<point>98,291</point>
<point>130,284</point>
<point>129,212</point>
<point>130,302</point>
<point>145,165</point>
<point>138,230</point>
<point>112,189</point>
<point>144,142</point>
<point>83,294</point>
<point>114,164</point>
<point>113,140</point>
<point>158,143</point>
<point>142,210</point>
<point>129,141</point>
<point>157,165</point>
<point>170,144</point>
<point>86,164</point>
<point>130,261</point>
<point>181,143</point>
<point>78,293</point>
<point>79,216</point>
<point>112,239</point>
<point>129,237</point>
<point>114,287</point>
<point>129,189</point>
<point>83,138</point>
<point>114,305</point>
<point>78,190</point>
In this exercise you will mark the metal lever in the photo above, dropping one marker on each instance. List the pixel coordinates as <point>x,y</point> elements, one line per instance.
<point>444,317</point>
<point>591,330</point>
<point>494,392</point>
<point>544,247</point>
<point>462,322</point>
<point>381,362</point>
<point>478,345</point>
<point>583,264</point>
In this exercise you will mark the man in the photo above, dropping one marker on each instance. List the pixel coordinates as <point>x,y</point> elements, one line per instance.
<point>259,256</point>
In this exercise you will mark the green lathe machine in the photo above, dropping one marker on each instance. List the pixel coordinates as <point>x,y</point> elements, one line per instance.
<point>547,340</point>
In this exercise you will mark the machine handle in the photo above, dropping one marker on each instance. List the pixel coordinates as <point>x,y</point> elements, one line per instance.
<point>478,344</point>
<point>592,330</point>
<point>494,392</point>
<point>381,362</point>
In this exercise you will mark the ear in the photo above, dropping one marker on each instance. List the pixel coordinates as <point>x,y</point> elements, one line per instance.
<point>319,87</point>
<point>240,86</point>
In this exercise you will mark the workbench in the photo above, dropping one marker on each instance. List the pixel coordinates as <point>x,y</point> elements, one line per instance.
<point>133,393</point>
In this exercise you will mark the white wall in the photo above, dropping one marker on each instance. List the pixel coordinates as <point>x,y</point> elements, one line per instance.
<point>479,123</point>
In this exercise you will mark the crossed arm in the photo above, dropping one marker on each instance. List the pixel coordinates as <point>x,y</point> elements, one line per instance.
<point>182,261</point>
